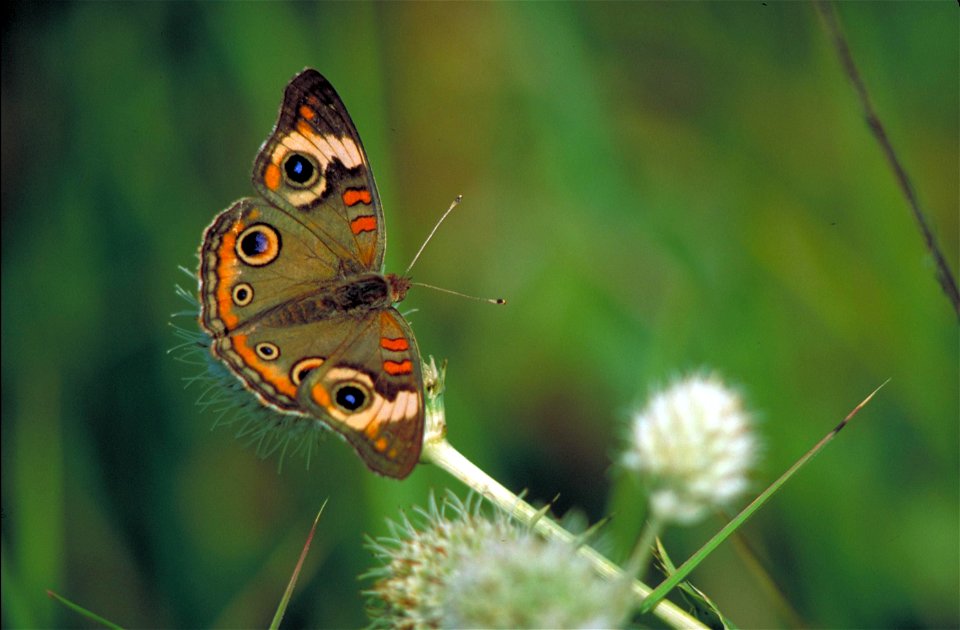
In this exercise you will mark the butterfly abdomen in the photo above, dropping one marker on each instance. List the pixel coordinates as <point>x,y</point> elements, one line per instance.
<point>352,297</point>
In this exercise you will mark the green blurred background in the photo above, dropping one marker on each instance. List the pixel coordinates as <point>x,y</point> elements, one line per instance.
<point>655,188</point>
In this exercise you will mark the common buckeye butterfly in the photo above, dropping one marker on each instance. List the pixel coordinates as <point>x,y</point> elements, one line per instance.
<point>293,293</point>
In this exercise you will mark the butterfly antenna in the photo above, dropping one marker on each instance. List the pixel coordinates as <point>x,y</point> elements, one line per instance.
<point>453,205</point>
<point>469,297</point>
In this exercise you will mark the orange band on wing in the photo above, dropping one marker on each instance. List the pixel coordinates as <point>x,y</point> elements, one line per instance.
<point>396,345</point>
<point>307,112</point>
<point>306,130</point>
<point>320,395</point>
<point>363,224</point>
<point>398,367</point>
<point>226,272</point>
<point>271,176</point>
<point>353,196</point>
<point>270,373</point>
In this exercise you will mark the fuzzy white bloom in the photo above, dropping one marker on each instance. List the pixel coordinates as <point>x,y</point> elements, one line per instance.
<point>523,581</point>
<point>693,445</point>
<point>460,569</point>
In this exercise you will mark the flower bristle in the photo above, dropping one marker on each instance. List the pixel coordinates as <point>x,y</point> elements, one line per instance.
<point>454,566</point>
<point>265,430</point>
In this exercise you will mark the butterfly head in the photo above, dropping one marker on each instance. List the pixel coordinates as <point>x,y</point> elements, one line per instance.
<point>399,285</point>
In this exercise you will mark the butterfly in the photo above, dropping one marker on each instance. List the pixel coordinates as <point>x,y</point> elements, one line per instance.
<point>292,289</point>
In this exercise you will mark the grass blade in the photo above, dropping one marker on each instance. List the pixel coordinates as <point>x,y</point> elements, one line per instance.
<point>83,612</point>
<point>667,585</point>
<point>285,600</point>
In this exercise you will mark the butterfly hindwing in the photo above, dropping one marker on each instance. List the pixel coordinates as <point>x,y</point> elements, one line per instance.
<point>373,393</point>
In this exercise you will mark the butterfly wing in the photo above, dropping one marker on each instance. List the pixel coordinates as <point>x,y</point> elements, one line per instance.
<point>256,263</point>
<point>373,394</point>
<point>283,331</point>
<point>313,165</point>
<point>290,290</point>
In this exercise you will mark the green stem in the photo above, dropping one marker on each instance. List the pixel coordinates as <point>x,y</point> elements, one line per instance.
<point>644,547</point>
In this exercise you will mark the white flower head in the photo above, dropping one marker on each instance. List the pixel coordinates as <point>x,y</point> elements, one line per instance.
<point>461,569</point>
<point>693,445</point>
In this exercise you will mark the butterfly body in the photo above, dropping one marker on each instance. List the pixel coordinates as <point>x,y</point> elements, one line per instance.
<point>293,293</point>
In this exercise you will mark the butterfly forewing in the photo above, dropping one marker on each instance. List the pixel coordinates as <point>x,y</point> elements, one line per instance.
<point>314,165</point>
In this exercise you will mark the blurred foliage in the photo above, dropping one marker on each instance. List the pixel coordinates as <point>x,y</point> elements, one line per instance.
<point>654,187</point>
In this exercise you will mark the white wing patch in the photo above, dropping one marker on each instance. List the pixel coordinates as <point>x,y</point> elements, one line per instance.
<point>379,411</point>
<point>325,149</point>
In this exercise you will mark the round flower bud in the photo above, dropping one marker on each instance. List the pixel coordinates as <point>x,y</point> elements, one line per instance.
<point>693,446</point>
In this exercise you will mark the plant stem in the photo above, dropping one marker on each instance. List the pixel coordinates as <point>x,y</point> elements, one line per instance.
<point>944,275</point>
<point>644,547</point>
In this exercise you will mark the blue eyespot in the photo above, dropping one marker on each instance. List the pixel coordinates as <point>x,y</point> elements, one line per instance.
<point>255,243</point>
<point>350,398</point>
<point>299,169</point>
<point>258,245</point>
